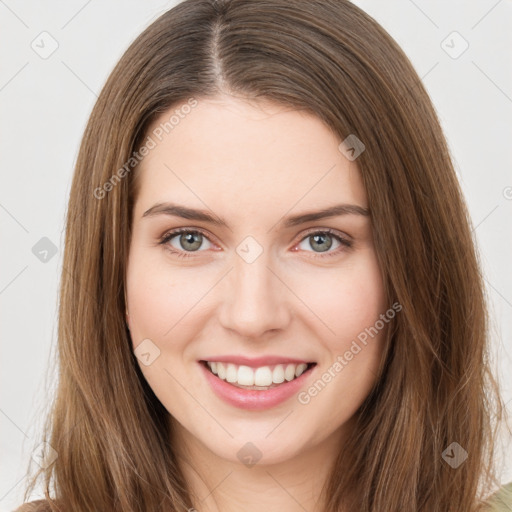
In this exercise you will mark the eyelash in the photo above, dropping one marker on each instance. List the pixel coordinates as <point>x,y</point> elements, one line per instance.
<point>345,243</point>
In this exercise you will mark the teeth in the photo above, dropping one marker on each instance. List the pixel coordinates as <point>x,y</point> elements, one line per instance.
<point>301,368</point>
<point>278,374</point>
<point>221,371</point>
<point>231,373</point>
<point>263,376</point>
<point>289,373</point>
<point>245,376</point>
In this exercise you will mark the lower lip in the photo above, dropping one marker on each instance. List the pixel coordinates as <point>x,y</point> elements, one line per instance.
<point>252,399</point>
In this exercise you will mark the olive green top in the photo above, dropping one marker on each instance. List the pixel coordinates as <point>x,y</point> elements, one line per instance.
<point>501,501</point>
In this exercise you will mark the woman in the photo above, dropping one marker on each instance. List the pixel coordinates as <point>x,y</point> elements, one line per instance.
<point>211,356</point>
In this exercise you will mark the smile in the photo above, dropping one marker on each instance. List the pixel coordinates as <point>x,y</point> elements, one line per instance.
<point>252,388</point>
<point>263,377</point>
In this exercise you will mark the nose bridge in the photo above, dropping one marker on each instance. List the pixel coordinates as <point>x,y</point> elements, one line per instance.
<point>254,300</point>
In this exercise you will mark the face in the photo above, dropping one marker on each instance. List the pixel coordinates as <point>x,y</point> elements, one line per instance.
<point>248,284</point>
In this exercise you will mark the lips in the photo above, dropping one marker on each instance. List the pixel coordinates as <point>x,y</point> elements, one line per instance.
<point>234,388</point>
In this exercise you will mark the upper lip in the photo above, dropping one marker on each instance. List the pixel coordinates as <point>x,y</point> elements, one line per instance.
<point>256,362</point>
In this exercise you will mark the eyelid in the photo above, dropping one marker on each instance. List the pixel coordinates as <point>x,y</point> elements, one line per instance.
<point>331,231</point>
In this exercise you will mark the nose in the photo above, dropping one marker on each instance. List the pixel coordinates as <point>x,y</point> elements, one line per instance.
<point>254,299</point>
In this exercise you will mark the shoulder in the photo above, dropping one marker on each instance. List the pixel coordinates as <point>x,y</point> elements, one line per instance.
<point>34,506</point>
<point>501,500</point>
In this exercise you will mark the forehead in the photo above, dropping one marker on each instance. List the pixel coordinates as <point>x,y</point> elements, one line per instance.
<point>252,156</point>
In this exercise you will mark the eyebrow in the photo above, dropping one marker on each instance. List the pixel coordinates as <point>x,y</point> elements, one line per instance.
<point>294,220</point>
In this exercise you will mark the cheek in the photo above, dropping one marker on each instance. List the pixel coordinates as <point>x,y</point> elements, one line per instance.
<point>348,299</point>
<point>164,299</point>
<point>156,300</point>
<point>352,308</point>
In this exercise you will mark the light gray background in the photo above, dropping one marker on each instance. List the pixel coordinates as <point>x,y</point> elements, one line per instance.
<point>45,104</point>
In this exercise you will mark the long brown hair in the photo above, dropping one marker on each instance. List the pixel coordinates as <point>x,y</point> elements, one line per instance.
<point>111,434</point>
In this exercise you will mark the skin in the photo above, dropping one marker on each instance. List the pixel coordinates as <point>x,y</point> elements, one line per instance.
<point>253,164</point>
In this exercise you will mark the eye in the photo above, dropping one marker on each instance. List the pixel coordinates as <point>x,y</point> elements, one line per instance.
<point>187,240</point>
<point>183,241</point>
<point>322,240</point>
